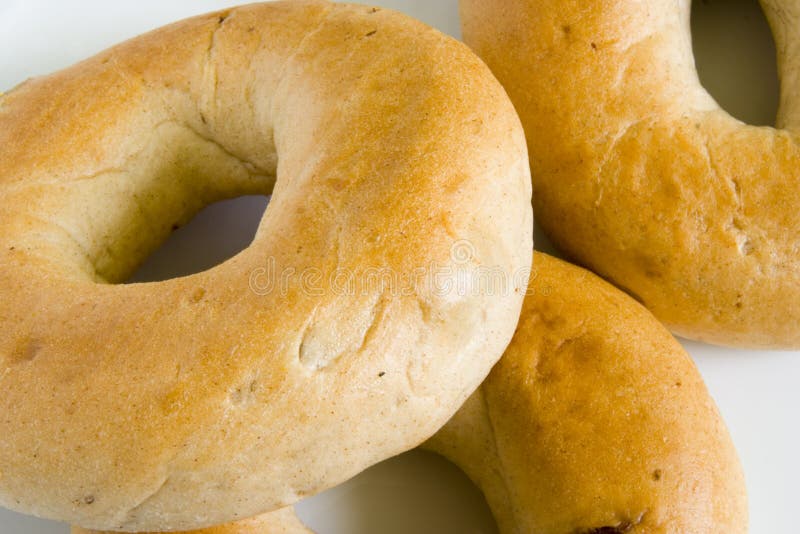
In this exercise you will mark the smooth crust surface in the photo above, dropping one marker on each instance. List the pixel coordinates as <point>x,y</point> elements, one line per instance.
<point>596,418</point>
<point>640,176</point>
<point>195,401</point>
<point>595,421</point>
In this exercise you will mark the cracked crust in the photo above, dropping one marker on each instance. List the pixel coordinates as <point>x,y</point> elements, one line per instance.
<point>203,399</point>
<point>595,421</point>
<point>640,176</point>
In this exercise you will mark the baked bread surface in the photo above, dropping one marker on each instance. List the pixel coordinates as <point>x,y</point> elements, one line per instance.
<point>195,401</point>
<point>595,421</point>
<point>637,172</point>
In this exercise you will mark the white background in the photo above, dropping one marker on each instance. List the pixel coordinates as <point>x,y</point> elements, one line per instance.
<point>417,492</point>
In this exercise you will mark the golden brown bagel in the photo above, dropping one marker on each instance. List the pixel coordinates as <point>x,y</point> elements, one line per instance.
<point>595,421</point>
<point>639,175</point>
<point>200,400</point>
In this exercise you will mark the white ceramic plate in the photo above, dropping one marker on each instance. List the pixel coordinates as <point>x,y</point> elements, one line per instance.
<point>418,492</point>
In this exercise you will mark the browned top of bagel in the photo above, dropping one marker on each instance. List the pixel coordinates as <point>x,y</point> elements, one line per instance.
<point>639,175</point>
<point>198,400</point>
<point>596,421</point>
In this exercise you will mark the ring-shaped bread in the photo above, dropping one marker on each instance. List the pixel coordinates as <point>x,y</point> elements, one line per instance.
<point>391,153</point>
<point>637,172</point>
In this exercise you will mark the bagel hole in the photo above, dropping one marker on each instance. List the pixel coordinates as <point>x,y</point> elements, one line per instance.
<point>734,53</point>
<point>216,233</point>
<point>418,492</point>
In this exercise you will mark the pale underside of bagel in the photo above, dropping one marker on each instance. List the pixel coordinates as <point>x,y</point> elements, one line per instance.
<point>283,521</point>
<point>595,421</point>
<point>640,176</point>
<point>204,399</point>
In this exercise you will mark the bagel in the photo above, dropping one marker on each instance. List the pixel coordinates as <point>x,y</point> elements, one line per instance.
<point>641,176</point>
<point>387,148</point>
<point>595,421</point>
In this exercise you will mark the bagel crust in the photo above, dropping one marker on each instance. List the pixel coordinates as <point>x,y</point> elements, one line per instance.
<point>637,172</point>
<point>283,521</point>
<point>595,421</point>
<point>195,401</point>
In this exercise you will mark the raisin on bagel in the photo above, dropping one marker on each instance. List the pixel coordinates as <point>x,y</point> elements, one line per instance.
<point>387,146</point>
<point>639,175</point>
